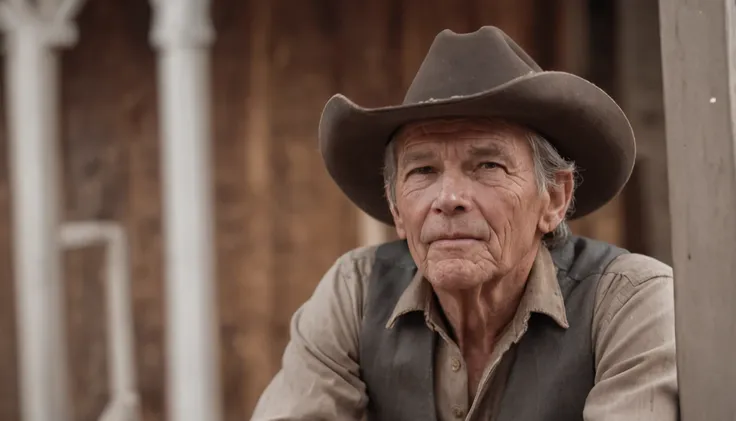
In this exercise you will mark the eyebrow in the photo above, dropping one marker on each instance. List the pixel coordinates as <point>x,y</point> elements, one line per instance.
<point>491,150</point>
<point>477,152</point>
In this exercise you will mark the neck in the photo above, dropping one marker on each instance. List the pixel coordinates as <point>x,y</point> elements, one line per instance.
<point>479,315</point>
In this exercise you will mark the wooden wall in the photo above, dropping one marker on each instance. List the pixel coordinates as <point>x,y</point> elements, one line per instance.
<point>280,221</point>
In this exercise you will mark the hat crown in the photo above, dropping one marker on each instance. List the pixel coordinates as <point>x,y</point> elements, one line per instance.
<point>467,64</point>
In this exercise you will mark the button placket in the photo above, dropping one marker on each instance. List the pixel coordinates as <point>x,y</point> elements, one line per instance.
<point>455,364</point>
<point>458,412</point>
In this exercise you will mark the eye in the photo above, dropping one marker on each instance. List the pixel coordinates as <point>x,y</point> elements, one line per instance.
<point>422,170</point>
<point>489,165</point>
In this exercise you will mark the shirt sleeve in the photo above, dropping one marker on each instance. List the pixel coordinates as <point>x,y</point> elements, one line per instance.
<point>634,341</point>
<point>319,378</point>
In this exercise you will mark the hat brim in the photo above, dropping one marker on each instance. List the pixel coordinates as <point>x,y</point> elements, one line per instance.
<point>579,119</point>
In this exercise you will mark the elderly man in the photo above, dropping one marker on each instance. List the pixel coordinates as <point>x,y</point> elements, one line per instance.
<point>487,308</point>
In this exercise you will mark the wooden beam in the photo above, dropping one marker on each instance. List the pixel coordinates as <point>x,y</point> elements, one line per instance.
<point>699,72</point>
<point>639,65</point>
<point>260,290</point>
<point>370,62</point>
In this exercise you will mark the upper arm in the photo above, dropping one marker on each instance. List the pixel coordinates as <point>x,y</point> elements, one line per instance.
<point>634,344</point>
<point>319,378</point>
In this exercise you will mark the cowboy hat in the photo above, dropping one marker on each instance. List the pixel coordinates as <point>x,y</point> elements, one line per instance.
<point>483,74</point>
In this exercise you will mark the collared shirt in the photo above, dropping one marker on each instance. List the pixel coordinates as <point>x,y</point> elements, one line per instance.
<point>632,333</point>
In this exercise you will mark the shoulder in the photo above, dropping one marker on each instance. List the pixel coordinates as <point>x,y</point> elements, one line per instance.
<point>353,271</point>
<point>348,278</point>
<point>630,273</point>
<point>634,345</point>
<point>358,263</point>
<point>355,265</point>
<point>638,268</point>
<point>332,315</point>
<point>633,285</point>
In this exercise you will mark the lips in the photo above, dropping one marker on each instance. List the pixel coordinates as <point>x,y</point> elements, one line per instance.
<point>455,236</point>
<point>465,230</point>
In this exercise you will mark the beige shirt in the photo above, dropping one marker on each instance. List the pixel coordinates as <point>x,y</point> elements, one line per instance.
<point>633,337</point>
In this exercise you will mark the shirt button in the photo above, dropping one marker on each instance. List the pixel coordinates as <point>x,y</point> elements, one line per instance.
<point>455,365</point>
<point>458,412</point>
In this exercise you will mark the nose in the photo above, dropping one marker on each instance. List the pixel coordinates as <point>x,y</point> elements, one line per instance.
<point>454,195</point>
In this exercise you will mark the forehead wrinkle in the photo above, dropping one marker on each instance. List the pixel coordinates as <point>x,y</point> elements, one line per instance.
<point>488,150</point>
<point>486,138</point>
<point>480,144</point>
<point>409,156</point>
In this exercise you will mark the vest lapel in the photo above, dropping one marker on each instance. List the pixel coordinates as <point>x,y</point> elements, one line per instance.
<point>397,363</point>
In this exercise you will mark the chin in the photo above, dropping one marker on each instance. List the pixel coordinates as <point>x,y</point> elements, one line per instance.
<point>455,274</point>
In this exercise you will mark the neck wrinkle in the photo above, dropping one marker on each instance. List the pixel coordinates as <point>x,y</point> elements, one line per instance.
<point>478,316</point>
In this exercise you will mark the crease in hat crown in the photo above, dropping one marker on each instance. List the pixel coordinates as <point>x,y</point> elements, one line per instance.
<point>452,54</point>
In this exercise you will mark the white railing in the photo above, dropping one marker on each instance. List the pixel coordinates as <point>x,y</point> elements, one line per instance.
<point>34,32</point>
<point>124,400</point>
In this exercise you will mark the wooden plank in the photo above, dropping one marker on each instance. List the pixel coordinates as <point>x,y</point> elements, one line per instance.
<point>639,91</point>
<point>110,149</point>
<point>313,220</point>
<point>515,17</point>
<point>584,30</point>
<point>571,46</point>
<point>699,66</point>
<point>239,268</point>
<point>244,201</point>
<point>571,52</point>
<point>422,20</point>
<point>370,59</point>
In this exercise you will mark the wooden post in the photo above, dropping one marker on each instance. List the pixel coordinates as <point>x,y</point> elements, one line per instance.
<point>182,33</point>
<point>639,84</point>
<point>261,291</point>
<point>699,69</point>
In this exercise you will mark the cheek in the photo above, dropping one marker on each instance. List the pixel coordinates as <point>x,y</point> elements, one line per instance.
<point>413,207</point>
<point>500,205</point>
<point>511,214</point>
<point>414,204</point>
<point>419,191</point>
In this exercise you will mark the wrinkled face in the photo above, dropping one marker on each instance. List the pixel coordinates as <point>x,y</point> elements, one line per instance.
<point>467,201</point>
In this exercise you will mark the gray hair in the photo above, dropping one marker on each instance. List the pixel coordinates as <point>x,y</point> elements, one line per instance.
<point>547,163</point>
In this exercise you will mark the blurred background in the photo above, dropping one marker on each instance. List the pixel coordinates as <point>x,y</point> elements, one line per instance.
<point>280,221</point>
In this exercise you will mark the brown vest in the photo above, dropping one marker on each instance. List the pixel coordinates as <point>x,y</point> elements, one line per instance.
<point>554,368</point>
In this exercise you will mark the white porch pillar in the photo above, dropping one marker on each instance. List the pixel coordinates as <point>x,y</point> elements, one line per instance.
<point>182,33</point>
<point>370,230</point>
<point>33,30</point>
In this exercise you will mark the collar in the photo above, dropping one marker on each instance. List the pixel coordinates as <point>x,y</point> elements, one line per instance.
<point>541,295</point>
<point>416,297</point>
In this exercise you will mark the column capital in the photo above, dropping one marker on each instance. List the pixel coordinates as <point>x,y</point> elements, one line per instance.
<point>49,22</point>
<point>181,24</point>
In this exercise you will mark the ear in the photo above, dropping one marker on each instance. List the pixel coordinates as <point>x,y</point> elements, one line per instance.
<point>559,198</point>
<point>398,220</point>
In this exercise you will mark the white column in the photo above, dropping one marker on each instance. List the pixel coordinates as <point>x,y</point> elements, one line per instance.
<point>32,35</point>
<point>370,230</point>
<point>182,33</point>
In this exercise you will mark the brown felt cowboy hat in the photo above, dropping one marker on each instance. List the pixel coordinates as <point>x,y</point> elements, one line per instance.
<point>483,74</point>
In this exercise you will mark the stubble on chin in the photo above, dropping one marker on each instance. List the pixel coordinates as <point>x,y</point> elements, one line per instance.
<point>456,273</point>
